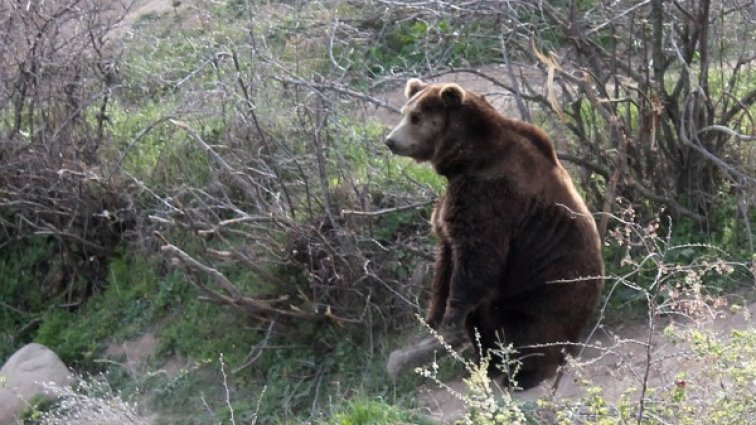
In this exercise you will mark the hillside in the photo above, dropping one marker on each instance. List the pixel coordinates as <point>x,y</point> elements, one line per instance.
<point>198,214</point>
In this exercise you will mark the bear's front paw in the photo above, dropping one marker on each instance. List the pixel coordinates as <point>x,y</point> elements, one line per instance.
<point>453,316</point>
<point>434,319</point>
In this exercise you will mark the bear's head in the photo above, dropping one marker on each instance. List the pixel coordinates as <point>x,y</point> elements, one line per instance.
<point>439,124</point>
<point>424,118</point>
<point>459,132</point>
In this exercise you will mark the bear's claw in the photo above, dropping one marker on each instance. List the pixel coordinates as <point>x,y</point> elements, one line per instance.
<point>433,321</point>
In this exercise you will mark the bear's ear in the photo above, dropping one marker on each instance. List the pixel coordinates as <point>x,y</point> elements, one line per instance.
<point>452,95</point>
<point>413,86</point>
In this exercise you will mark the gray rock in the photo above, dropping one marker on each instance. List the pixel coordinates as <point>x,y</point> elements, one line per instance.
<point>23,375</point>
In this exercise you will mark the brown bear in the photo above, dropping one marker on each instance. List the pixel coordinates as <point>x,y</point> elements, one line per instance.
<point>519,255</point>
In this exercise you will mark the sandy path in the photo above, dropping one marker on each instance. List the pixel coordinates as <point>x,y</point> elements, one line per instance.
<point>617,367</point>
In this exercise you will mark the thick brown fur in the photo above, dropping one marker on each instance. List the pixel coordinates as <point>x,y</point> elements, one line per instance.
<point>510,225</point>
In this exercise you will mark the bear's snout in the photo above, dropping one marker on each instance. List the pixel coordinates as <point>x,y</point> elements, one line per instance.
<point>391,143</point>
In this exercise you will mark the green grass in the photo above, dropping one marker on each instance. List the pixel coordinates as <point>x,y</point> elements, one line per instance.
<point>409,46</point>
<point>368,161</point>
<point>136,296</point>
<point>154,150</point>
<point>311,363</point>
<point>25,268</point>
<point>294,378</point>
<point>363,411</point>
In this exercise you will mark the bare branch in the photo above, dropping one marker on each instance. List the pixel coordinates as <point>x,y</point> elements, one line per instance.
<point>385,211</point>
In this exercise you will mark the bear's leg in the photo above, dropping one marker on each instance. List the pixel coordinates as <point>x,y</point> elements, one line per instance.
<point>540,359</point>
<point>442,271</point>
<point>530,376</point>
<point>484,338</point>
<point>475,276</point>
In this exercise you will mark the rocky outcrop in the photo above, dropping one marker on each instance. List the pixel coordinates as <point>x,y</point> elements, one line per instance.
<point>22,378</point>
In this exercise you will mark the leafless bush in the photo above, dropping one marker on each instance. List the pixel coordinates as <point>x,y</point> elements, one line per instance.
<point>90,401</point>
<point>291,194</point>
<point>58,65</point>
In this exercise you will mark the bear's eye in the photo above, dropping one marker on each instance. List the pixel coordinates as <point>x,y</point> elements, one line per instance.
<point>414,118</point>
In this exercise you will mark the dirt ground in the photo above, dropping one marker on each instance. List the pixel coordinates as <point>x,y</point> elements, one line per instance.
<point>616,364</point>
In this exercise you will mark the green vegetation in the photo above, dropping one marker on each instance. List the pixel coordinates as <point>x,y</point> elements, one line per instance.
<point>196,334</point>
<point>419,44</point>
<point>25,270</point>
<point>675,265</point>
<point>360,411</point>
<point>134,299</point>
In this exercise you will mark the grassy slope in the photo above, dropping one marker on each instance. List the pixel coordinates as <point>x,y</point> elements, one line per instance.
<point>308,374</point>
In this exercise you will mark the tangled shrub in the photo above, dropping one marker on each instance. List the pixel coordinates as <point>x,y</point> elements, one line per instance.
<point>88,402</point>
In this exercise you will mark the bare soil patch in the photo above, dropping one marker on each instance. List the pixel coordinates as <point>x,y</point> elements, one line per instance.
<point>138,352</point>
<point>616,363</point>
